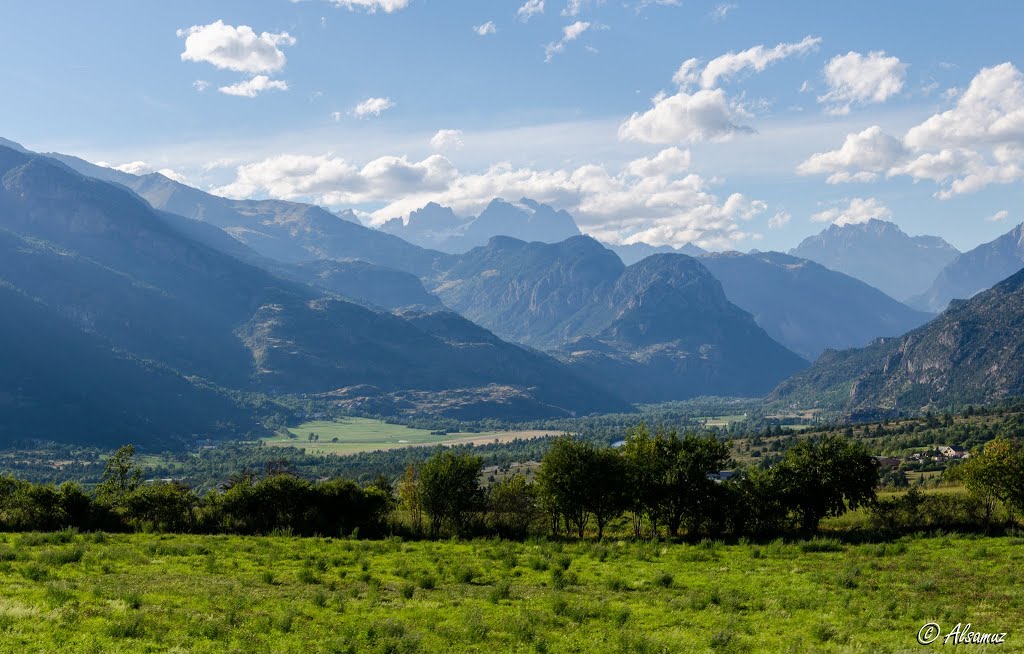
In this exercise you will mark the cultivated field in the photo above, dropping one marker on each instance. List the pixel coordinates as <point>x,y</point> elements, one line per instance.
<point>366,435</point>
<point>148,593</point>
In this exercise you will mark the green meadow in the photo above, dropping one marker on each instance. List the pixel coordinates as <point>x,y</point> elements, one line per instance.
<point>354,435</point>
<point>69,592</point>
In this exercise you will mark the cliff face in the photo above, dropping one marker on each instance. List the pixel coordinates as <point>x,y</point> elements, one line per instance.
<point>973,352</point>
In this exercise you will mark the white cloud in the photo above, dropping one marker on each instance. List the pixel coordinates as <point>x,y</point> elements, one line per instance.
<point>856,79</point>
<point>569,34</point>
<point>991,110</point>
<point>143,168</point>
<point>706,115</point>
<point>334,181</point>
<point>250,88</point>
<point>779,220</point>
<point>757,58</point>
<point>999,216</point>
<point>371,6</point>
<point>235,48</point>
<point>937,166</point>
<point>721,11</point>
<point>976,143</point>
<point>447,139</point>
<point>372,107</point>
<point>667,163</point>
<point>653,199</point>
<point>336,116</point>
<point>573,8</point>
<point>688,73</point>
<point>200,85</point>
<point>855,211</point>
<point>530,9</point>
<point>861,159</point>
<point>487,28</point>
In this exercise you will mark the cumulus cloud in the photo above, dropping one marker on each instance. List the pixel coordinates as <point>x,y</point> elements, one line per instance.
<point>143,168</point>
<point>757,58</point>
<point>856,79</point>
<point>976,143</point>
<point>863,156</point>
<point>668,162</point>
<point>372,107</point>
<point>372,6</point>
<point>235,48</point>
<point>200,85</point>
<point>487,28</point>
<point>654,199</point>
<point>569,34</point>
<point>335,181</point>
<point>779,220</point>
<point>250,88</point>
<point>999,216</point>
<point>530,9</point>
<point>447,139</point>
<point>706,115</point>
<point>853,212</point>
<point>991,110</point>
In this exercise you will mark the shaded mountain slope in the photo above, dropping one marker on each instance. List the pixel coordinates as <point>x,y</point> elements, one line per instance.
<point>108,264</point>
<point>973,352</point>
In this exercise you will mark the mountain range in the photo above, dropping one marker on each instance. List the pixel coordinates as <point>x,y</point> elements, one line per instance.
<point>162,286</point>
<point>139,287</point>
<point>807,307</point>
<point>881,254</point>
<point>438,227</point>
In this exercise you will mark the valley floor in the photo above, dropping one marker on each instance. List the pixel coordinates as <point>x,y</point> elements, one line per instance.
<point>72,592</point>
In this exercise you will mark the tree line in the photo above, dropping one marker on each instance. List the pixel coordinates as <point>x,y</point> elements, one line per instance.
<point>659,483</point>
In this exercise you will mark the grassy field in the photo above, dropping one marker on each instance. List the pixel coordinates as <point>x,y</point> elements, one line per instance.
<point>151,593</point>
<point>366,435</point>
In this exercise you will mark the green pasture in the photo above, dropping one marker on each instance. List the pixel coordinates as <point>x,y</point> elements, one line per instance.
<point>353,435</point>
<point>68,592</point>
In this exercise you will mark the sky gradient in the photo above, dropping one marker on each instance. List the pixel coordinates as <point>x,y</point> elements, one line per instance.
<point>736,125</point>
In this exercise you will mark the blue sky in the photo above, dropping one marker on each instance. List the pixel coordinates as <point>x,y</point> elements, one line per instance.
<point>789,116</point>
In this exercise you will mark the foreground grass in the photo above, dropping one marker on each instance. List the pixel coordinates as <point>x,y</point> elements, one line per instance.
<point>150,593</point>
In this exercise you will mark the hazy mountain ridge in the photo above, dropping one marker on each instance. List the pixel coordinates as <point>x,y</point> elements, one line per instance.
<point>880,254</point>
<point>806,306</point>
<point>975,270</point>
<point>290,232</point>
<point>633,252</point>
<point>438,227</point>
